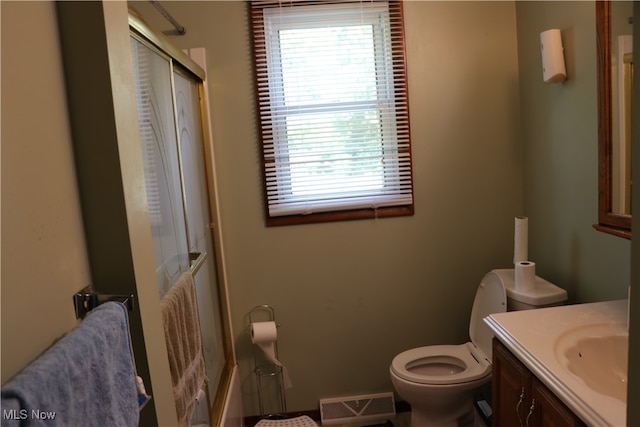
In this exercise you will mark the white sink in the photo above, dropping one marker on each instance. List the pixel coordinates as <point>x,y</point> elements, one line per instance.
<point>578,351</point>
<point>597,354</point>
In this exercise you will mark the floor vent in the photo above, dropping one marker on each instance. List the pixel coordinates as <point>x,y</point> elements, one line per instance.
<point>357,409</point>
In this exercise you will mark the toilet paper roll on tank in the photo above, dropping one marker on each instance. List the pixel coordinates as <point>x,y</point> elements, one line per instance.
<point>529,290</point>
<point>525,275</point>
<point>525,270</point>
<point>521,239</point>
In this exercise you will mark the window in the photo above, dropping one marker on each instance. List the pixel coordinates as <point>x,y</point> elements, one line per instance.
<point>333,109</point>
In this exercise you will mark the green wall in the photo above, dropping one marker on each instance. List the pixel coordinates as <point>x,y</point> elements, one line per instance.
<point>559,137</point>
<point>490,141</point>
<point>352,295</point>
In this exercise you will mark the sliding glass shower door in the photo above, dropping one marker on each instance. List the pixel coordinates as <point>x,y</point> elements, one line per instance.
<point>170,124</point>
<point>199,223</point>
<point>154,99</point>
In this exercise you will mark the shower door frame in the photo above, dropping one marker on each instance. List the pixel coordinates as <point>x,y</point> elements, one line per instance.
<point>98,68</point>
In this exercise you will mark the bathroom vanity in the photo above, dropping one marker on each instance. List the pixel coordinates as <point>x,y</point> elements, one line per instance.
<point>521,399</point>
<point>560,366</point>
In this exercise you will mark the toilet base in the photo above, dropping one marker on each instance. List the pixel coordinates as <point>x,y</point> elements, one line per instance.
<point>441,406</point>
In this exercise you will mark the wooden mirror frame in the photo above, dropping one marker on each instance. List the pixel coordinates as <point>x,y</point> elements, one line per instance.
<point>608,221</point>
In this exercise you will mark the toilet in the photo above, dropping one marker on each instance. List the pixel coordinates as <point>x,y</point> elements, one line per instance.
<point>440,381</point>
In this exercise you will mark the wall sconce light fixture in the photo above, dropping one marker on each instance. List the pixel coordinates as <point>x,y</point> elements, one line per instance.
<point>553,69</point>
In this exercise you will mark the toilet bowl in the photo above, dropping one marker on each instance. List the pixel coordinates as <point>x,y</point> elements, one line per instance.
<point>440,381</point>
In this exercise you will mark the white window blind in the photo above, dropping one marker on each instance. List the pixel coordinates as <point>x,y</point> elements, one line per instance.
<point>333,106</point>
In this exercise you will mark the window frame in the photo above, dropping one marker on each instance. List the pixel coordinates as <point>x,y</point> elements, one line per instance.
<point>398,79</point>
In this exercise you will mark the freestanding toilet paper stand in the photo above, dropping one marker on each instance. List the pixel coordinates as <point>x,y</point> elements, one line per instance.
<point>269,374</point>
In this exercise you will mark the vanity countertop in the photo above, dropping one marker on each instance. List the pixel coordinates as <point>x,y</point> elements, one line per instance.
<point>531,337</point>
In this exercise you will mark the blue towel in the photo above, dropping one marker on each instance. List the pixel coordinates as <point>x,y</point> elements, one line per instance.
<point>85,379</point>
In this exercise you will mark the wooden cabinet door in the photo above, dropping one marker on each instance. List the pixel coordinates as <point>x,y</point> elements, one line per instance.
<point>511,388</point>
<point>520,399</point>
<point>548,410</point>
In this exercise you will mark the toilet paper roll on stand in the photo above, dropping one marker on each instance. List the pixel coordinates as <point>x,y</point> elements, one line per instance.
<point>265,335</point>
<point>525,279</point>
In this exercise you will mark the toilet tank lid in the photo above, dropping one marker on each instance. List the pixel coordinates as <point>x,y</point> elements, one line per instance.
<point>544,293</point>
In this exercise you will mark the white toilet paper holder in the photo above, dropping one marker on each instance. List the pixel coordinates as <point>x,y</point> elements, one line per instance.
<point>263,372</point>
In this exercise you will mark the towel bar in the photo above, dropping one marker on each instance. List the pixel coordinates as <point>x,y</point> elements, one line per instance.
<point>87,299</point>
<point>196,259</point>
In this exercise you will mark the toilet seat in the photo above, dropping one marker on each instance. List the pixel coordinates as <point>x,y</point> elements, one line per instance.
<point>466,361</point>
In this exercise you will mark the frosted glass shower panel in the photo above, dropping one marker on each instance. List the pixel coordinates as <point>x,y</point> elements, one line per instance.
<point>199,220</point>
<point>161,165</point>
<point>191,150</point>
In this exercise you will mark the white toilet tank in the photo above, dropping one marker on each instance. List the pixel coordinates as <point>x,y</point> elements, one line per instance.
<point>544,294</point>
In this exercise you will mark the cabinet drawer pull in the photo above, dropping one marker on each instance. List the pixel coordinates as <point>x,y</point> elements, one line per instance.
<point>533,406</point>
<point>518,407</point>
